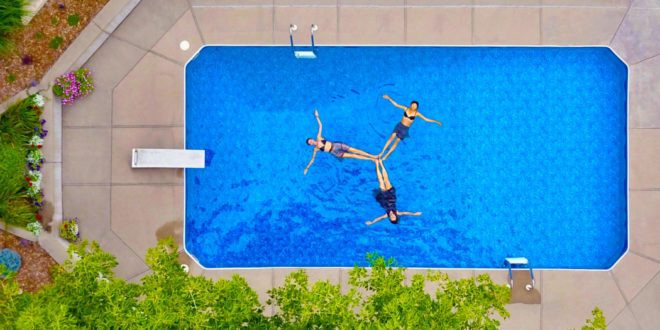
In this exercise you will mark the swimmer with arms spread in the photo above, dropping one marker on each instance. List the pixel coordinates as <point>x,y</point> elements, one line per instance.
<point>386,196</point>
<point>337,149</point>
<point>401,129</point>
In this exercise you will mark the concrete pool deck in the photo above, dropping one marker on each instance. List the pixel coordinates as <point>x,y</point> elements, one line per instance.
<point>138,102</point>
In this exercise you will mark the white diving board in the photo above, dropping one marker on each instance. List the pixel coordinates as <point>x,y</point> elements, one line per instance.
<point>167,158</point>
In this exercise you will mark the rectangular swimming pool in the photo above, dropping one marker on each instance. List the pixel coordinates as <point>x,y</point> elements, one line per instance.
<point>531,159</point>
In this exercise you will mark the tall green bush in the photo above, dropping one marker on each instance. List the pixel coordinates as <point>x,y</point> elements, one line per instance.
<point>11,13</point>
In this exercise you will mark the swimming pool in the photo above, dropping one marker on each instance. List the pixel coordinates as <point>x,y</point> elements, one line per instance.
<point>531,159</point>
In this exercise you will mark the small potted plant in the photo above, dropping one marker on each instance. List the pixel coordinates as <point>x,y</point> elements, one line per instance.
<point>73,85</point>
<point>69,230</point>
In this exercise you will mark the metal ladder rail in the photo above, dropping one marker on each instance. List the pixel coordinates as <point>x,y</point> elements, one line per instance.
<point>303,54</point>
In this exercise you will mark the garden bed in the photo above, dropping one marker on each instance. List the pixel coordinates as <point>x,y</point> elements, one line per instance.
<point>35,262</point>
<point>40,43</point>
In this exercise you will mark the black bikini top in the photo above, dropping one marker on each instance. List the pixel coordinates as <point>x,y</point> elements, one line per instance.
<point>323,147</point>
<point>409,117</point>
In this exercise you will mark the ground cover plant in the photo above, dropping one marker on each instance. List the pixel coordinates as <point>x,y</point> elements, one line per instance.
<point>21,140</point>
<point>11,12</point>
<point>39,44</point>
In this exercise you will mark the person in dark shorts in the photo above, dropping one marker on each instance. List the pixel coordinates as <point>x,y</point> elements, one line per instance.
<point>337,149</point>
<point>386,197</point>
<point>401,129</point>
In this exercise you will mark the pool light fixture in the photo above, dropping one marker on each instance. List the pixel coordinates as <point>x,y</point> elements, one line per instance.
<point>184,45</point>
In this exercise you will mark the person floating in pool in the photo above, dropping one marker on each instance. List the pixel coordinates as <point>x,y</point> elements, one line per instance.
<point>386,196</point>
<point>401,129</point>
<point>338,149</point>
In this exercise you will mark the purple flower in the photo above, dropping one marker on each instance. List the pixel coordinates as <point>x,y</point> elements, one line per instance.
<point>43,121</point>
<point>39,167</point>
<point>34,83</point>
<point>27,59</point>
<point>35,129</point>
<point>41,161</point>
<point>61,6</point>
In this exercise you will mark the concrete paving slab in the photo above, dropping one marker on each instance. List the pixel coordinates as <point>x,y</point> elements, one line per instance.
<point>231,2</point>
<point>646,305</point>
<point>439,26</point>
<point>149,21</point>
<point>438,3</point>
<point>371,2</point>
<point>331,3</point>
<point>570,296</point>
<point>643,146</point>
<point>113,61</point>
<point>624,321</point>
<point>141,215</point>
<point>645,3</point>
<point>580,26</point>
<point>371,25</point>
<point>644,102</point>
<point>86,155</point>
<point>51,149</point>
<point>637,38</point>
<point>151,94</point>
<point>91,205</point>
<point>113,13</point>
<point>581,3</point>
<point>644,223</point>
<point>259,279</point>
<point>48,189</point>
<point>235,25</point>
<point>124,139</point>
<point>93,110</point>
<point>130,265</point>
<point>633,272</point>
<point>507,2</point>
<point>506,26</point>
<point>523,317</point>
<point>304,17</point>
<point>184,29</point>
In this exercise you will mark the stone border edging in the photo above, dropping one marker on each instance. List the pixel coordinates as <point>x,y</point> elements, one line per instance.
<point>79,51</point>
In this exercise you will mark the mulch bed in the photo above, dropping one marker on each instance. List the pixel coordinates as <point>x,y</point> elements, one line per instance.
<point>35,262</point>
<point>32,56</point>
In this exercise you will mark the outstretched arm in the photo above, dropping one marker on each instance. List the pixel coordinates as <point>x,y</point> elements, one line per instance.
<point>318,136</point>
<point>369,223</point>
<point>311,161</point>
<point>394,103</point>
<point>410,213</point>
<point>429,120</point>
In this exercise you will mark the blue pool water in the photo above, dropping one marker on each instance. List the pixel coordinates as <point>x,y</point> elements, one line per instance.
<point>530,161</point>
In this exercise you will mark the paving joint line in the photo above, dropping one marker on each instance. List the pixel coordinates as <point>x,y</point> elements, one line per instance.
<point>621,23</point>
<point>147,52</point>
<point>639,292</point>
<point>616,283</point>
<point>125,244</point>
<point>648,58</point>
<point>192,11</point>
<point>644,256</point>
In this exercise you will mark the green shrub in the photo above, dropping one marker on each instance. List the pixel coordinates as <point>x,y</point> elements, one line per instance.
<point>54,20</point>
<point>17,124</point>
<point>38,35</point>
<point>11,12</point>
<point>56,42</point>
<point>73,20</point>
<point>11,78</point>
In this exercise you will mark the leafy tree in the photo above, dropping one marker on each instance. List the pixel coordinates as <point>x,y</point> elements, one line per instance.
<point>597,323</point>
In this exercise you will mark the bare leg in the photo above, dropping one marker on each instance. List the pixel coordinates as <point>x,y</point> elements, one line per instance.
<point>347,155</point>
<point>387,144</point>
<point>386,178</point>
<point>360,152</point>
<point>381,183</point>
<point>392,149</point>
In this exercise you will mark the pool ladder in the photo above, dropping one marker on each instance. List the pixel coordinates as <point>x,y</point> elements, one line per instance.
<point>520,261</point>
<point>306,54</point>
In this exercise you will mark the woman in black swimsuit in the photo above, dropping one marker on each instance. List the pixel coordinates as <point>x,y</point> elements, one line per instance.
<point>337,149</point>
<point>401,129</point>
<point>386,197</point>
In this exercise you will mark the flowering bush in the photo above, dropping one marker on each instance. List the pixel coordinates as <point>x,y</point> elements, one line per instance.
<point>34,227</point>
<point>69,230</point>
<point>35,156</point>
<point>33,179</point>
<point>73,85</point>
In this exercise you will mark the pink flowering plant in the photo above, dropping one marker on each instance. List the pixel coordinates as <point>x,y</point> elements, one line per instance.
<point>73,85</point>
